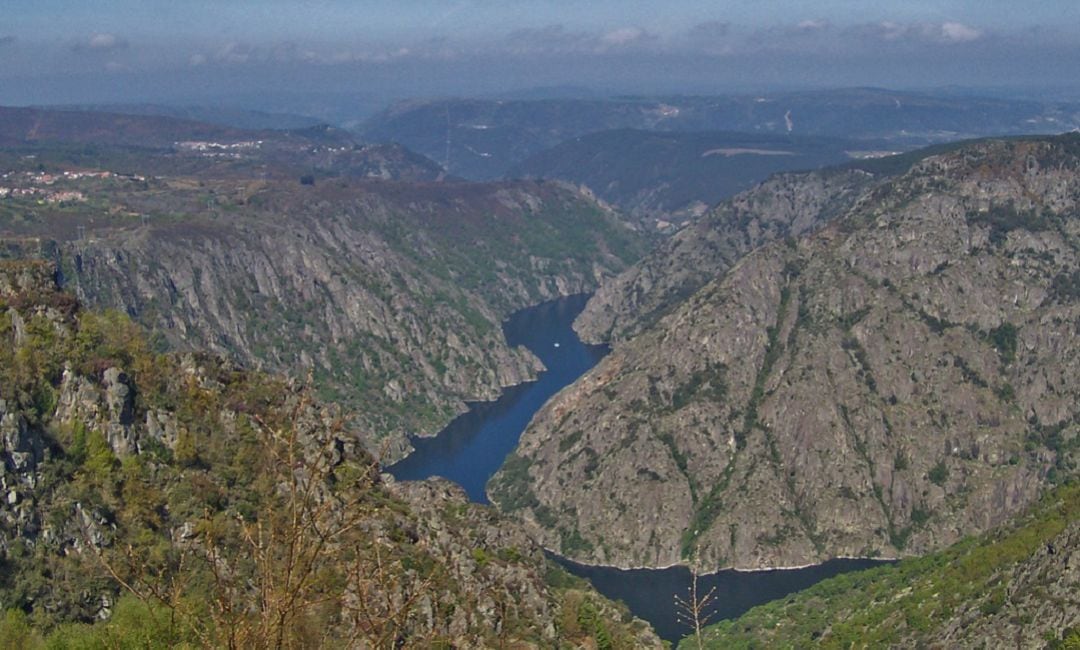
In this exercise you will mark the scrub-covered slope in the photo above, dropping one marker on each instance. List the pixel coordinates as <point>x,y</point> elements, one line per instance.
<point>179,499</point>
<point>1015,587</point>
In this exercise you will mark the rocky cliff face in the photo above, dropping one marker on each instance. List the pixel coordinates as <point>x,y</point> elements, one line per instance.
<point>788,205</point>
<point>904,377</point>
<point>189,480</point>
<point>391,295</point>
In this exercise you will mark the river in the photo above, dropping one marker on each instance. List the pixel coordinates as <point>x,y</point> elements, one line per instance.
<point>473,447</point>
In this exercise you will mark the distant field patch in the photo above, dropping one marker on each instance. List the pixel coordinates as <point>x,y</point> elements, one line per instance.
<point>866,155</point>
<point>739,151</point>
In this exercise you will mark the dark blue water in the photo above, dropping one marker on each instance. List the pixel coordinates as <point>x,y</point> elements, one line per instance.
<point>650,593</point>
<point>473,447</point>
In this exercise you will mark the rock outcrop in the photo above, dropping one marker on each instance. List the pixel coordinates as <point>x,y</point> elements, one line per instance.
<point>787,205</point>
<point>904,377</point>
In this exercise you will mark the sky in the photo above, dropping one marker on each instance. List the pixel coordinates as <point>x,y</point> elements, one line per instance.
<point>277,52</point>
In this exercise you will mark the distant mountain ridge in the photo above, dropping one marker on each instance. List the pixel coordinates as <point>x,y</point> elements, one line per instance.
<point>20,126</point>
<point>238,118</point>
<point>316,149</point>
<point>483,139</point>
<point>663,173</point>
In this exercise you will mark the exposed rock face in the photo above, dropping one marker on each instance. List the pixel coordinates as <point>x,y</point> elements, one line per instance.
<point>458,538</point>
<point>22,449</point>
<point>906,376</point>
<point>26,278</point>
<point>787,205</point>
<point>109,406</point>
<point>391,295</point>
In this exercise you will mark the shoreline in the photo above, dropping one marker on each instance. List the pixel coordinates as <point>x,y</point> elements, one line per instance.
<point>562,558</point>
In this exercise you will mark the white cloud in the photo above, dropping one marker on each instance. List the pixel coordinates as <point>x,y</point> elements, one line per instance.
<point>102,42</point>
<point>289,52</point>
<point>551,39</point>
<point>714,38</point>
<point>623,36</point>
<point>234,53</point>
<point>373,56</point>
<point>706,39</point>
<point>959,33</point>
<point>891,31</point>
<point>557,40</point>
<point>812,25</point>
<point>894,32</point>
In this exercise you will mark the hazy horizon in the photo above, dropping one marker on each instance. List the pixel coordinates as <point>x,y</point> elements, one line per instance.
<point>297,56</point>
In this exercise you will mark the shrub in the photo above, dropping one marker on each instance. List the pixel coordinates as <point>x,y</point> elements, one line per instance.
<point>939,473</point>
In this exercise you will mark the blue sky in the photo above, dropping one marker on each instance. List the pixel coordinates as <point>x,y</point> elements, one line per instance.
<point>69,51</point>
<point>337,19</point>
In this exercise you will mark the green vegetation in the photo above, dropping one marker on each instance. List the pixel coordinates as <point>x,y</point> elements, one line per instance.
<point>862,361</point>
<point>571,439</point>
<point>707,508</point>
<point>708,383</point>
<point>676,173</point>
<point>571,542</point>
<point>1004,339</point>
<point>510,486</point>
<point>939,473</point>
<point>1003,219</point>
<point>1066,286</point>
<point>705,511</point>
<point>132,624</point>
<point>906,604</point>
<point>772,355</point>
<point>257,522</point>
<point>583,618</point>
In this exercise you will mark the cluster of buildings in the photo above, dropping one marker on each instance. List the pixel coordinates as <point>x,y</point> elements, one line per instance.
<point>48,196</point>
<point>230,149</point>
<point>39,184</point>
